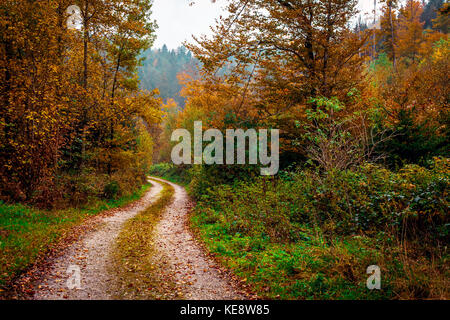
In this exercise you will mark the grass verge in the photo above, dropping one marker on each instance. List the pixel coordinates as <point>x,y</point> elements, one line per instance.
<point>26,233</point>
<point>316,268</point>
<point>312,235</point>
<point>141,271</point>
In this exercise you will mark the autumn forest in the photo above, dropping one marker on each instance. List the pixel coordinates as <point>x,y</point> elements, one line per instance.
<point>87,112</point>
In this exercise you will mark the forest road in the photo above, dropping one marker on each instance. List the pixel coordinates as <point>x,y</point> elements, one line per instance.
<point>81,272</point>
<point>196,273</point>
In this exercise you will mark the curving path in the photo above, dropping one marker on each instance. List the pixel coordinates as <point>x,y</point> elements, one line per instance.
<point>196,274</point>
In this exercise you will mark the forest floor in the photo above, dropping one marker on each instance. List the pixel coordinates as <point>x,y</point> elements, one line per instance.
<point>195,273</point>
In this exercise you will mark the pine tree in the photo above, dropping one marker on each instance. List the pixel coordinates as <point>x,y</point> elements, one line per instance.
<point>430,12</point>
<point>388,32</point>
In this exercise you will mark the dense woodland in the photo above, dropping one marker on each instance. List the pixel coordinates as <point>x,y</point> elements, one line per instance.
<point>161,69</point>
<point>73,122</point>
<point>363,115</point>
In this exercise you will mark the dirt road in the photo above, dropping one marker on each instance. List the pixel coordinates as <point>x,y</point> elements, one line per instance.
<point>81,273</point>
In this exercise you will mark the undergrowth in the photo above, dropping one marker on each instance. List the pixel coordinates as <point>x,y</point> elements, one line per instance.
<point>311,235</point>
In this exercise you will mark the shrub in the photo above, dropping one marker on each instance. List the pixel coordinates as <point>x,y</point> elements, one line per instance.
<point>111,190</point>
<point>309,234</point>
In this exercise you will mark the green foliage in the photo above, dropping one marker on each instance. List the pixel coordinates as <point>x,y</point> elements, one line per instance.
<point>413,142</point>
<point>381,63</point>
<point>171,172</point>
<point>312,236</point>
<point>339,202</point>
<point>200,178</point>
<point>111,190</point>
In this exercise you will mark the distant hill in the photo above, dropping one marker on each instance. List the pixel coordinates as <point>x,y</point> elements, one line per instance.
<point>160,69</point>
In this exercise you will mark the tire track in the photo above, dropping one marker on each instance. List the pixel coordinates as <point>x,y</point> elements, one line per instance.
<point>92,255</point>
<point>196,273</point>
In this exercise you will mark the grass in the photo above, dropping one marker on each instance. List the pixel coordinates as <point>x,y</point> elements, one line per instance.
<point>257,238</point>
<point>312,268</point>
<point>141,272</point>
<point>26,233</point>
<point>296,237</point>
<point>309,235</point>
<point>307,269</point>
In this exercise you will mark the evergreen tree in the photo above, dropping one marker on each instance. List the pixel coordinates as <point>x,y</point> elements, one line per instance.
<point>161,68</point>
<point>430,12</point>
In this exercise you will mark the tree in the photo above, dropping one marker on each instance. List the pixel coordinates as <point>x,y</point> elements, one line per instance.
<point>418,120</point>
<point>66,94</point>
<point>389,30</point>
<point>430,12</point>
<point>161,68</point>
<point>410,30</point>
<point>441,21</point>
<point>278,54</point>
<point>340,143</point>
<point>33,107</point>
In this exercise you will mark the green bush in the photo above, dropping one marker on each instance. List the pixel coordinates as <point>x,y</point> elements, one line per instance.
<point>199,178</point>
<point>179,174</point>
<point>311,235</point>
<point>341,202</point>
<point>111,190</point>
<point>415,142</point>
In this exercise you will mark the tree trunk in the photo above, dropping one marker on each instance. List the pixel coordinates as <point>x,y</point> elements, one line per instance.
<point>392,36</point>
<point>85,80</point>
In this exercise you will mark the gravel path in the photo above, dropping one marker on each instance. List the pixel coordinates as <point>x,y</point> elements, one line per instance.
<point>91,255</point>
<point>199,276</point>
<point>195,273</point>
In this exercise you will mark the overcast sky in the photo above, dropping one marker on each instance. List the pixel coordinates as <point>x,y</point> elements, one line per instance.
<point>177,20</point>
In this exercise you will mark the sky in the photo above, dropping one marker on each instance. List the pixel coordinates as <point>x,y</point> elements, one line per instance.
<point>177,20</point>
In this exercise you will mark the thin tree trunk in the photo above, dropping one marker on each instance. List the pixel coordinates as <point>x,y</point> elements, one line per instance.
<point>85,80</point>
<point>392,36</point>
<point>113,93</point>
